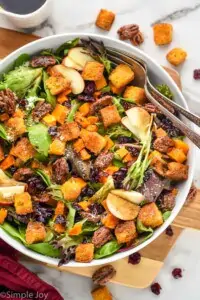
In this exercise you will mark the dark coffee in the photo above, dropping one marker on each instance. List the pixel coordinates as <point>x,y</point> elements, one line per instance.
<point>21,7</point>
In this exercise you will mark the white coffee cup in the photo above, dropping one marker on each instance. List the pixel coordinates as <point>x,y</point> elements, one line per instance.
<point>29,20</point>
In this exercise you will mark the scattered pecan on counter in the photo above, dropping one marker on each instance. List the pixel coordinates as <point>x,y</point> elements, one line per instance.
<point>137,39</point>
<point>103,275</point>
<point>131,32</point>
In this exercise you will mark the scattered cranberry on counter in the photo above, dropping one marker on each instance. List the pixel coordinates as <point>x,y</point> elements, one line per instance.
<point>169,231</point>
<point>155,288</point>
<point>134,258</point>
<point>196,74</point>
<point>177,273</point>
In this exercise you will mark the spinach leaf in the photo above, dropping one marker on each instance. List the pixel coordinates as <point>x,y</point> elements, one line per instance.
<point>3,133</point>
<point>13,231</point>
<point>166,215</point>
<point>118,130</point>
<point>107,249</point>
<point>44,177</point>
<point>165,90</point>
<point>89,227</point>
<point>33,91</point>
<point>49,236</point>
<point>106,89</point>
<point>50,52</point>
<point>49,97</point>
<point>55,191</point>
<point>64,48</point>
<point>118,163</point>
<point>22,59</point>
<point>141,228</point>
<point>40,157</point>
<point>40,138</point>
<point>95,185</point>
<point>116,102</point>
<point>70,216</point>
<point>45,249</point>
<point>74,107</point>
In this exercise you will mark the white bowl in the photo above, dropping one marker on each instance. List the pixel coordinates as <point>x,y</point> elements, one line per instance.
<point>158,75</point>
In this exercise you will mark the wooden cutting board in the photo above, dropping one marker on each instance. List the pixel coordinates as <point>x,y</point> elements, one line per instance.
<point>153,256</point>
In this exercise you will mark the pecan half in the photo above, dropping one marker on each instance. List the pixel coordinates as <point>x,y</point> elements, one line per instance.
<point>41,109</point>
<point>101,236</point>
<point>42,61</point>
<point>60,170</point>
<point>127,32</point>
<point>137,39</point>
<point>103,275</point>
<point>23,174</point>
<point>7,101</point>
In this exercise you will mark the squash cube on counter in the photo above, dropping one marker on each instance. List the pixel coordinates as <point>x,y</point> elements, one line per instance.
<point>162,33</point>
<point>105,19</point>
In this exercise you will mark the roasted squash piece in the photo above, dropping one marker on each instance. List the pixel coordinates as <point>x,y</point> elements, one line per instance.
<point>8,162</point>
<point>71,189</point>
<point>84,109</point>
<point>121,76</point>
<point>150,215</point>
<point>3,215</point>
<point>181,145</point>
<point>78,145</point>
<point>49,120</point>
<point>177,154</point>
<point>84,252</point>
<point>23,203</point>
<point>23,150</point>
<point>84,154</point>
<point>101,83</point>
<point>1,153</point>
<point>60,208</point>
<point>57,147</point>
<point>35,232</point>
<point>60,113</point>
<point>76,229</point>
<point>109,221</point>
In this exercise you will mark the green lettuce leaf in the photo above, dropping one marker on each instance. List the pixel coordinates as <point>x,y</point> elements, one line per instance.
<point>74,107</point>
<point>21,60</point>
<point>3,133</point>
<point>49,97</point>
<point>166,215</point>
<point>70,216</point>
<point>44,177</point>
<point>107,249</point>
<point>64,48</point>
<point>118,130</point>
<point>40,138</point>
<point>45,249</point>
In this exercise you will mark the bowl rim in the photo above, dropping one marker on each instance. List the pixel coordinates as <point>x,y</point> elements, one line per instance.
<point>54,261</point>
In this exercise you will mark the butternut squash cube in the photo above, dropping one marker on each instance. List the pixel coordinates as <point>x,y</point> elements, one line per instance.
<point>121,76</point>
<point>8,162</point>
<point>3,215</point>
<point>101,83</point>
<point>23,203</point>
<point>57,147</point>
<point>177,154</point>
<point>60,113</point>
<point>49,120</point>
<point>71,189</point>
<point>23,150</point>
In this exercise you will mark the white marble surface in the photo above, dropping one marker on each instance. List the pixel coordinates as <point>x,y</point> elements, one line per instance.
<point>79,15</point>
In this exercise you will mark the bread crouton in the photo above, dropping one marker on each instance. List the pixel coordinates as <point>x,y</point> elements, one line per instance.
<point>57,84</point>
<point>176,56</point>
<point>115,90</point>
<point>101,83</point>
<point>8,162</point>
<point>162,33</point>
<point>16,127</point>
<point>23,150</point>
<point>177,171</point>
<point>93,70</point>
<point>150,215</point>
<point>93,141</point>
<point>69,131</point>
<point>125,232</point>
<point>57,147</point>
<point>35,232</point>
<point>84,252</point>
<point>101,293</point>
<point>110,115</point>
<point>121,76</point>
<point>23,203</point>
<point>105,19</point>
<point>1,153</point>
<point>136,94</point>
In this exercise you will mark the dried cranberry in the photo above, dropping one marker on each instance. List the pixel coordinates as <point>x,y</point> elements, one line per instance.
<point>196,74</point>
<point>89,88</point>
<point>119,176</point>
<point>94,175</point>
<point>177,273</point>
<point>134,151</point>
<point>12,169</point>
<point>53,130</point>
<point>22,102</point>
<point>169,231</point>
<point>87,192</point>
<point>42,213</point>
<point>96,209</point>
<point>124,140</point>
<point>134,258</point>
<point>35,185</point>
<point>86,98</point>
<point>60,219</point>
<point>76,206</point>
<point>67,104</point>
<point>155,288</point>
<point>168,126</point>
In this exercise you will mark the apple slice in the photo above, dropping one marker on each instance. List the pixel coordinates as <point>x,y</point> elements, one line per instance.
<point>131,196</point>
<point>7,193</point>
<point>77,82</point>
<point>121,208</point>
<point>68,62</point>
<point>80,56</point>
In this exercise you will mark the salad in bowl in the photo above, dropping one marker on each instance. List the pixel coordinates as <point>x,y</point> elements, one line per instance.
<point>88,167</point>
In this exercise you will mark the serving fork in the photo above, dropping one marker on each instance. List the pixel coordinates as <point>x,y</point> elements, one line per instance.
<point>154,96</point>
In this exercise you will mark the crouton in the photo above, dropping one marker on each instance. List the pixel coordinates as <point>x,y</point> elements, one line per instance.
<point>160,132</point>
<point>163,144</point>
<point>177,171</point>
<point>93,141</point>
<point>16,127</point>
<point>150,215</point>
<point>35,232</point>
<point>158,164</point>
<point>109,220</point>
<point>84,253</point>
<point>84,109</point>
<point>105,19</point>
<point>1,153</point>
<point>57,84</point>
<point>23,203</point>
<point>57,147</point>
<point>81,120</point>
<point>125,232</point>
<point>69,131</point>
<point>23,150</point>
<point>121,76</point>
<point>162,33</point>
<point>8,162</point>
<point>101,293</point>
<point>101,83</point>
<point>60,113</point>
<point>93,70</point>
<point>136,94</point>
<point>3,215</point>
<point>110,115</point>
<point>176,56</point>
<point>117,91</point>
<point>78,145</point>
<point>71,189</point>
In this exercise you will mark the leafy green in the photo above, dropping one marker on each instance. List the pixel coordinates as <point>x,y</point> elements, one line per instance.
<point>103,192</point>
<point>118,163</point>
<point>126,99</point>
<point>89,227</point>
<point>33,91</point>
<point>118,130</point>
<point>50,52</point>
<point>135,174</point>
<point>141,228</point>
<point>20,80</point>
<point>40,138</point>
<point>49,97</point>
<point>106,62</point>
<point>68,241</point>
<point>64,48</point>
<point>165,90</point>
<point>21,60</point>
<point>13,231</point>
<point>74,107</point>
<point>49,236</point>
<point>95,185</point>
<point>45,249</point>
<point>44,177</point>
<point>181,137</point>
<point>107,249</point>
<point>70,216</point>
<point>56,193</point>
<point>106,89</point>
<point>145,233</point>
<point>101,128</point>
<point>166,215</point>
<point>3,133</point>
<point>116,102</point>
